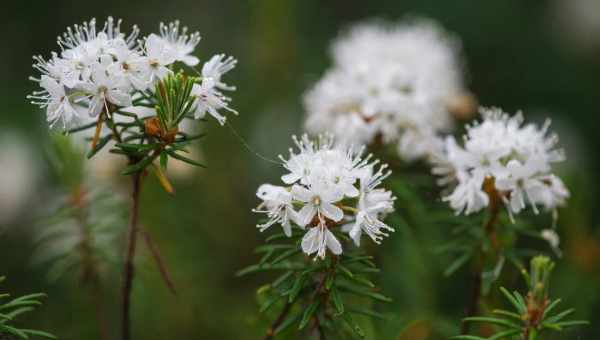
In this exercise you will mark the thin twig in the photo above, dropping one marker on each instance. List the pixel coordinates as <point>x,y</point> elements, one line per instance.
<point>98,130</point>
<point>90,274</point>
<point>159,261</point>
<point>325,296</point>
<point>128,272</point>
<point>271,331</point>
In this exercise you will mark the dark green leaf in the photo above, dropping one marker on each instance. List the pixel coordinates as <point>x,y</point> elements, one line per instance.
<point>184,159</point>
<point>308,313</point>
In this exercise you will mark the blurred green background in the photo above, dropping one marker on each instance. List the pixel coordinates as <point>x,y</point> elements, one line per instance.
<point>539,56</point>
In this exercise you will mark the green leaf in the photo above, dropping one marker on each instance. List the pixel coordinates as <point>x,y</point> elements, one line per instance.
<point>363,281</point>
<point>345,271</point>
<point>467,337</point>
<point>290,320</point>
<point>101,143</point>
<point>136,147</point>
<point>337,301</point>
<point>265,267</point>
<point>550,307</point>
<point>565,324</point>
<point>559,316</point>
<point>362,292</point>
<point>494,321</point>
<point>296,288</point>
<point>39,333</point>
<point>368,312</point>
<point>507,313</point>
<point>81,128</point>
<point>285,255</point>
<point>164,159</point>
<point>137,167</point>
<point>356,328</point>
<point>280,280</point>
<point>457,263</point>
<point>183,158</point>
<point>308,314</point>
<point>504,335</point>
<point>265,306</point>
<point>513,301</point>
<point>272,247</point>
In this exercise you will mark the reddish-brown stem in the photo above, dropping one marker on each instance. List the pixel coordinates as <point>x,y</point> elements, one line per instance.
<point>159,261</point>
<point>128,272</point>
<point>271,331</point>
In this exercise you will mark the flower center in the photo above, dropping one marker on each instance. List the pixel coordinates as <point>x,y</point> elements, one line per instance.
<point>102,90</point>
<point>316,200</point>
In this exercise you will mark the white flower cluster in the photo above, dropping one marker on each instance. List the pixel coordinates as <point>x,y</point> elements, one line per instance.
<point>96,68</point>
<point>328,187</point>
<point>392,82</point>
<point>502,159</point>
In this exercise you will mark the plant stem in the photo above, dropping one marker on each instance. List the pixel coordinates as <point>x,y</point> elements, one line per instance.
<point>90,271</point>
<point>271,331</point>
<point>475,296</point>
<point>128,272</point>
<point>96,291</point>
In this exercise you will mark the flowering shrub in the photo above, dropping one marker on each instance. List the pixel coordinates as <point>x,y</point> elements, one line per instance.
<point>331,192</point>
<point>389,82</point>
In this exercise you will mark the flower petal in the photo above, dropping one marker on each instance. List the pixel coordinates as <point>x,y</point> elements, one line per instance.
<point>332,243</point>
<point>331,211</point>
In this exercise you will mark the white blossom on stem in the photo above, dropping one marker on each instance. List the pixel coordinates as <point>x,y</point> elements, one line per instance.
<point>330,188</point>
<point>503,157</point>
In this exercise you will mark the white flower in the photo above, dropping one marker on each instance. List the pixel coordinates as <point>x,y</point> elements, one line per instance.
<point>515,160</point>
<point>277,205</point>
<point>216,67</point>
<point>103,89</point>
<point>210,98</point>
<point>180,42</point>
<point>57,103</point>
<point>159,55</point>
<point>300,165</point>
<point>332,187</point>
<point>129,64</point>
<point>373,204</point>
<point>390,83</point>
<point>468,196</point>
<point>318,199</point>
<point>318,239</point>
<point>99,67</point>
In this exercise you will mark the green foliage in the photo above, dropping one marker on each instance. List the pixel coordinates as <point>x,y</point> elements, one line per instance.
<point>143,140</point>
<point>464,238</point>
<point>81,234</point>
<point>12,308</point>
<point>79,231</point>
<point>531,315</point>
<point>174,100</point>
<point>65,161</point>
<point>316,295</point>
